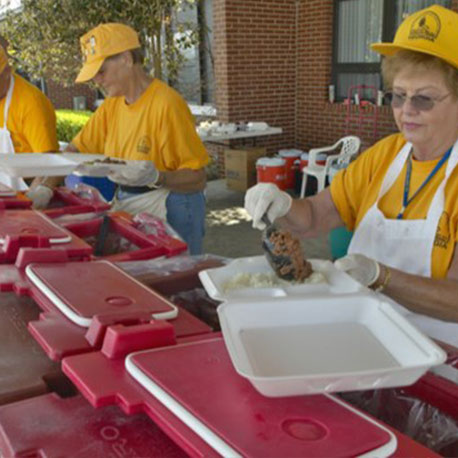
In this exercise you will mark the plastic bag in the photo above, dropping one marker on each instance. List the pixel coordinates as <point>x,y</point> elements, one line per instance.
<point>167,266</point>
<point>412,416</point>
<point>89,193</point>
<point>152,225</point>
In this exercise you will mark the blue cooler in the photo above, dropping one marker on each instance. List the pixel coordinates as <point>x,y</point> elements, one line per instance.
<point>106,187</point>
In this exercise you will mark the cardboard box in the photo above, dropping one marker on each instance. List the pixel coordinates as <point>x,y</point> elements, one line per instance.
<point>240,167</point>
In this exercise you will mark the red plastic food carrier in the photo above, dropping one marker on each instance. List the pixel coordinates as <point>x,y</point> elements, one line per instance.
<point>271,170</point>
<point>290,156</point>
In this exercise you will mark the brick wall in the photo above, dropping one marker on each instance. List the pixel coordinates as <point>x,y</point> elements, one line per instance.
<point>318,121</point>
<point>273,63</point>
<point>62,97</point>
<point>255,66</point>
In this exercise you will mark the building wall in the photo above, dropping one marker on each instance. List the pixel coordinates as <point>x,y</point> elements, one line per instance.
<point>273,63</point>
<point>62,97</point>
<point>255,65</point>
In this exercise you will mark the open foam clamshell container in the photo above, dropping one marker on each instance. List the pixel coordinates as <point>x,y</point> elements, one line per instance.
<point>25,369</point>
<point>50,426</point>
<point>324,344</point>
<point>215,280</point>
<point>335,335</point>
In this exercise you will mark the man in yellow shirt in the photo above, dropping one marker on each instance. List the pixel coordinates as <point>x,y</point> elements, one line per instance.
<point>144,119</point>
<point>27,119</point>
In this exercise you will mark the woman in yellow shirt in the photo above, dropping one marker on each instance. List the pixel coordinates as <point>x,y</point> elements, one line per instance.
<point>401,196</point>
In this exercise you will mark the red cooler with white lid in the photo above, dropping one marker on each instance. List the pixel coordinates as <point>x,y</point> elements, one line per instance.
<point>271,170</point>
<point>290,156</point>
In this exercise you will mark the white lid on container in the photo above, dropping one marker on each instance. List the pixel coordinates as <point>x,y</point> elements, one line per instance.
<point>290,152</point>
<point>270,161</point>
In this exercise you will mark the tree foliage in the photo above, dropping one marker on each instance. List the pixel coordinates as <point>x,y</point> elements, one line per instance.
<point>44,34</point>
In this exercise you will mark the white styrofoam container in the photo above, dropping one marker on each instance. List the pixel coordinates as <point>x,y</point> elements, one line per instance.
<point>80,158</point>
<point>213,280</point>
<point>6,191</point>
<point>27,165</point>
<point>324,344</point>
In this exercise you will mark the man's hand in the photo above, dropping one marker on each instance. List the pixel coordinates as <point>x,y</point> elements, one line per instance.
<point>139,173</point>
<point>266,197</point>
<point>40,196</point>
<point>363,269</point>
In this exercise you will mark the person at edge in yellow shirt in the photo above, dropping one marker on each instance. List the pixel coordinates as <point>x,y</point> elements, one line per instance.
<point>401,195</point>
<point>27,118</point>
<point>143,119</point>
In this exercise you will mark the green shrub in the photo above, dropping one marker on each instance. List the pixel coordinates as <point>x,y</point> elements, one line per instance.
<point>69,123</point>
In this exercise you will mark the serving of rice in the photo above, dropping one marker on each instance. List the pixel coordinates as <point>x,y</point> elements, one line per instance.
<point>266,280</point>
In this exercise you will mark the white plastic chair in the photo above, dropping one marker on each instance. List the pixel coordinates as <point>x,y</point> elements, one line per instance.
<point>349,147</point>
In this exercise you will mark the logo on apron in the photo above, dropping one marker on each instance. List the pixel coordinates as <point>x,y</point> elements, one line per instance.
<point>442,238</point>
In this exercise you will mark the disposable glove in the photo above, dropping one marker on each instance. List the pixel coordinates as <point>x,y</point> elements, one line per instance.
<point>40,196</point>
<point>266,197</point>
<point>363,269</point>
<point>139,173</point>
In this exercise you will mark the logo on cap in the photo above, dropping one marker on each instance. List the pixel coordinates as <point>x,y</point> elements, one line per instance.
<point>426,27</point>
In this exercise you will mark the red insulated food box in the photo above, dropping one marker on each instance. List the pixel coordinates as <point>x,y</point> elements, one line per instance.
<point>32,229</point>
<point>116,237</point>
<point>82,301</point>
<point>25,370</point>
<point>49,426</point>
<point>67,202</point>
<point>217,412</point>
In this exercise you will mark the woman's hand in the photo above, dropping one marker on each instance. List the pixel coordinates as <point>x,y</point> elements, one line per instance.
<point>363,269</point>
<point>266,198</point>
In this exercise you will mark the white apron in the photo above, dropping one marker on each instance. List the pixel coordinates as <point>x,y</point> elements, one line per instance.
<point>152,202</point>
<point>7,147</point>
<point>407,244</point>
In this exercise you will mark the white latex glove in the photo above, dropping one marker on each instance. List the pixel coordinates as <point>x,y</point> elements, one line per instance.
<point>363,269</point>
<point>139,173</point>
<point>40,196</point>
<point>266,197</point>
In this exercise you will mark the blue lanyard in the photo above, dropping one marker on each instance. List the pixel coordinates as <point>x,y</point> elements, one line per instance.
<point>406,201</point>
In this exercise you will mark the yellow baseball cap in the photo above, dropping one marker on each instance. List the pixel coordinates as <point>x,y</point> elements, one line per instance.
<point>433,31</point>
<point>3,59</point>
<point>101,42</point>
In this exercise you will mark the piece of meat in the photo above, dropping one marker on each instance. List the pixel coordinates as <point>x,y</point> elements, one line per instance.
<point>286,245</point>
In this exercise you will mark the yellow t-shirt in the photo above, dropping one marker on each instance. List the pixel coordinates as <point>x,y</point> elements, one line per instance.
<point>355,189</point>
<point>31,119</point>
<point>158,127</point>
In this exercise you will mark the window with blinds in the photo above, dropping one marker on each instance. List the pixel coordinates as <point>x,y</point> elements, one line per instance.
<point>357,24</point>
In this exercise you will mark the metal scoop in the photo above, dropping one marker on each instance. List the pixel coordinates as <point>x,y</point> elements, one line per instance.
<point>282,264</point>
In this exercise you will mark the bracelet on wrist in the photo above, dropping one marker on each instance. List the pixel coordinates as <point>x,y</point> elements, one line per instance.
<point>387,277</point>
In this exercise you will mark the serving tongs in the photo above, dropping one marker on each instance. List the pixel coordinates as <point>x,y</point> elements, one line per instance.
<point>282,264</point>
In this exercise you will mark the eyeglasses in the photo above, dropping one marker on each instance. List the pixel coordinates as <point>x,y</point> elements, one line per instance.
<point>418,102</point>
